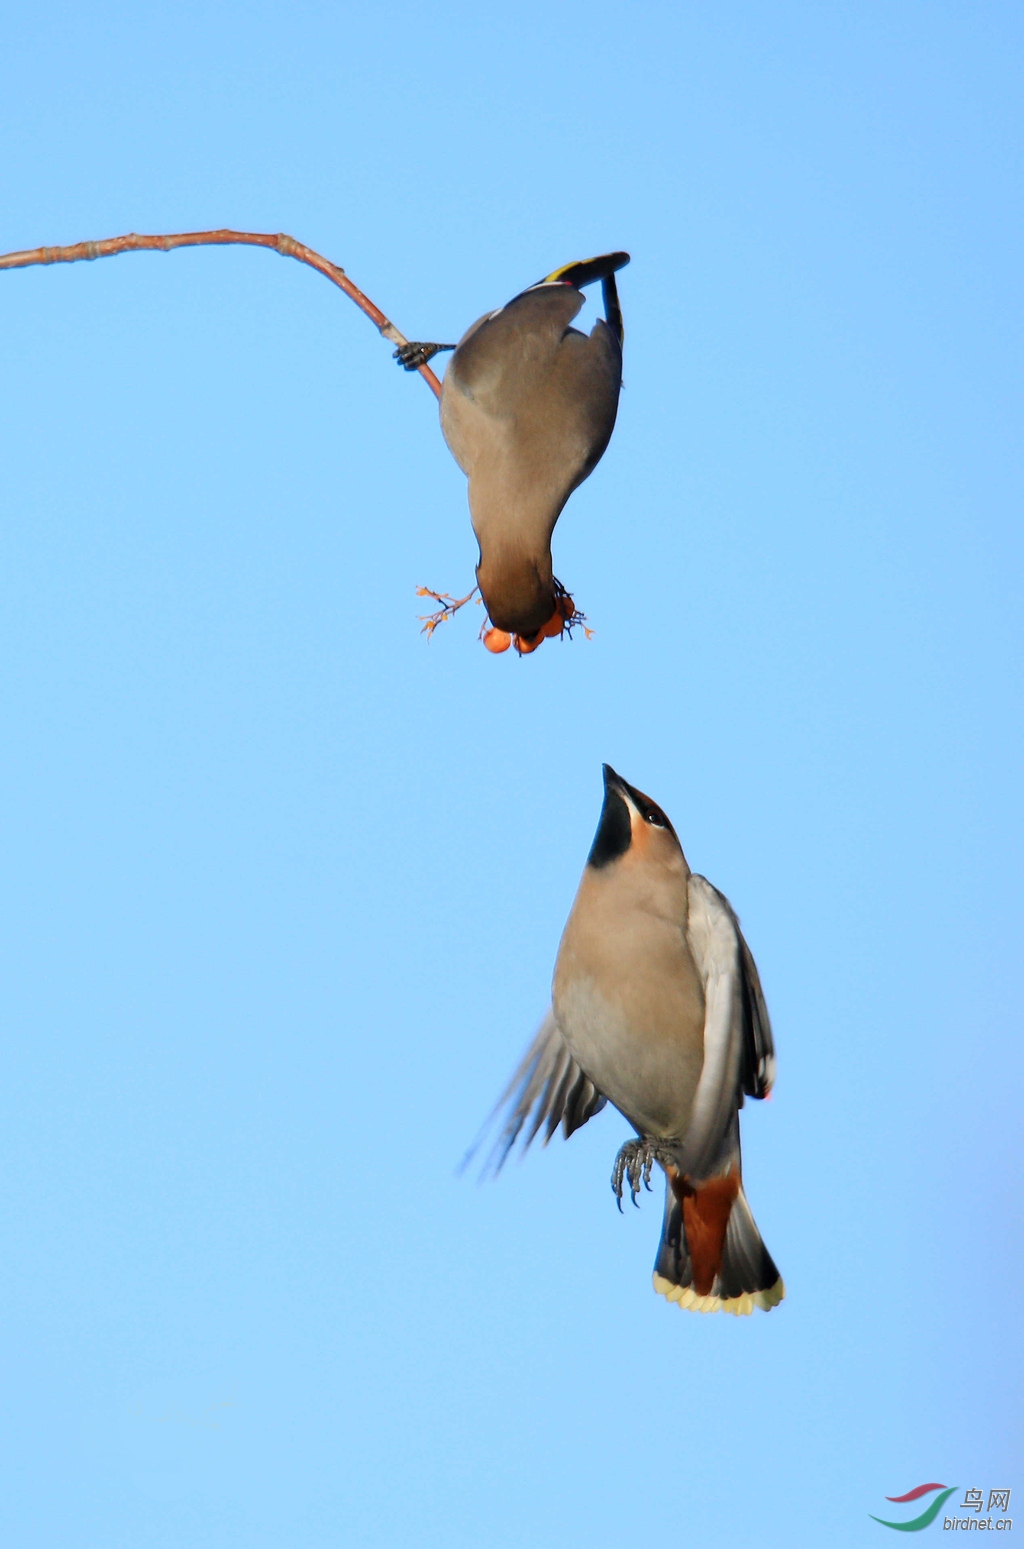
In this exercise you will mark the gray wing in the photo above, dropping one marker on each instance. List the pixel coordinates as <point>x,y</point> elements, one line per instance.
<point>496,357</point>
<point>547,1089</point>
<point>523,385</point>
<point>738,1051</point>
<point>758,1062</point>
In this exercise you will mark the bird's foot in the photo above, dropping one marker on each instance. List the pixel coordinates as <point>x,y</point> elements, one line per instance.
<point>414,355</point>
<point>633,1166</point>
<point>449,607</point>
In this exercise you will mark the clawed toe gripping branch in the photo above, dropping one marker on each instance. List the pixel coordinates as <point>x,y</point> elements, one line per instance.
<point>633,1166</point>
<point>414,355</point>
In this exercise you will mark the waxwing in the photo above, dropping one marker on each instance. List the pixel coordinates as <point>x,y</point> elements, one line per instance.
<point>657,1008</point>
<point>528,405</point>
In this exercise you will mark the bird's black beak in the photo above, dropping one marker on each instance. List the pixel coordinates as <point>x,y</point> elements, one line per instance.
<point>616,786</point>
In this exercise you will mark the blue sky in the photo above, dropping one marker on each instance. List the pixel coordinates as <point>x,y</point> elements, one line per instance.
<point>283,883</point>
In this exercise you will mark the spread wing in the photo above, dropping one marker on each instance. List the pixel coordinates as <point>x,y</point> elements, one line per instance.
<point>739,1055</point>
<point>547,1089</point>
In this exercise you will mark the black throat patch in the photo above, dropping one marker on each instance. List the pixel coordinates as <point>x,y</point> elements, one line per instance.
<point>614,831</point>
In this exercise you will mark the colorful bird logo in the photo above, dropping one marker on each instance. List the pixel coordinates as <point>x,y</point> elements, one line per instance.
<point>927,1516</point>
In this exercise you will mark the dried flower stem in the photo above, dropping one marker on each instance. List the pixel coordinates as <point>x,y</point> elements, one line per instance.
<point>285,245</point>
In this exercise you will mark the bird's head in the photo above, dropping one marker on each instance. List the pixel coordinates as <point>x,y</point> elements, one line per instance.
<point>634,832</point>
<point>519,594</point>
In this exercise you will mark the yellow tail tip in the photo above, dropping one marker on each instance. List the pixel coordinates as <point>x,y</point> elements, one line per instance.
<point>739,1306</point>
<point>584,271</point>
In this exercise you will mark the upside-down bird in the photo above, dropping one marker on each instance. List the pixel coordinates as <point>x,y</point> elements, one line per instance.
<point>657,1008</point>
<point>528,405</point>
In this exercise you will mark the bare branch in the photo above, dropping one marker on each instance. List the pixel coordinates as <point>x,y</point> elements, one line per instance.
<point>285,245</point>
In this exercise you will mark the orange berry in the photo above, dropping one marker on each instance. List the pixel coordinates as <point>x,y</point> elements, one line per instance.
<point>525,646</point>
<point>554,626</point>
<point>497,640</point>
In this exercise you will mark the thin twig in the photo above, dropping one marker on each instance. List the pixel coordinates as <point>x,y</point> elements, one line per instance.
<point>285,245</point>
<point>570,613</point>
<point>449,607</point>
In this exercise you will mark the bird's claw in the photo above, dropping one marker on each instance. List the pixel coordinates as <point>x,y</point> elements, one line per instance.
<point>633,1166</point>
<point>413,355</point>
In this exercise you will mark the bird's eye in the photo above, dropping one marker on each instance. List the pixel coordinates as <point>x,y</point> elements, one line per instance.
<point>655,817</point>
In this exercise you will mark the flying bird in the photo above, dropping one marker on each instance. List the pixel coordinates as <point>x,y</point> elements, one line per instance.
<point>657,1008</point>
<point>528,405</point>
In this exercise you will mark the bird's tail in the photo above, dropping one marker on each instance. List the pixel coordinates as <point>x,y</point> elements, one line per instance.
<point>711,1257</point>
<point>586,270</point>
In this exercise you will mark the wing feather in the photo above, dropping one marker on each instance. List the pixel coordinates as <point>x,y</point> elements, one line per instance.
<point>738,1051</point>
<point>548,1089</point>
<point>758,1045</point>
